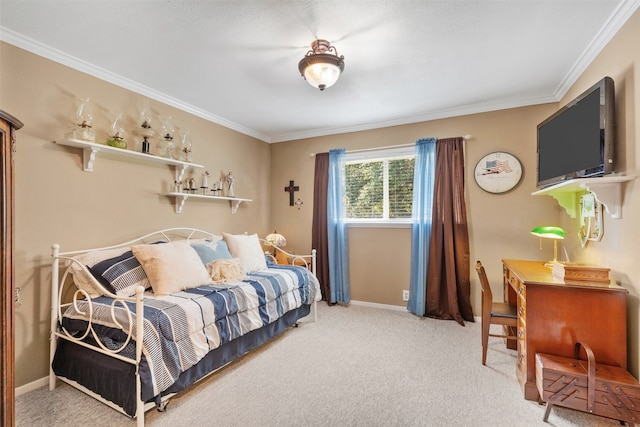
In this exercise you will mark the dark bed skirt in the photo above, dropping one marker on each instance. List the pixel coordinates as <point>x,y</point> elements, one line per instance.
<point>114,379</point>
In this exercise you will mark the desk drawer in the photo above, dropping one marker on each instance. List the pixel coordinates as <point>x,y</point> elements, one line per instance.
<point>512,280</point>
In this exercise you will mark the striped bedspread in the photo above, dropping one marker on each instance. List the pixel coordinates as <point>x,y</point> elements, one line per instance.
<point>180,329</point>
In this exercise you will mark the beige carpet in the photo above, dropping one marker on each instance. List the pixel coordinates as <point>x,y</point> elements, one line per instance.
<point>356,366</point>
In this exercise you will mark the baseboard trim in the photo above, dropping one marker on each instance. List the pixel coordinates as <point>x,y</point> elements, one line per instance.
<point>377,305</point>
<point>32,386</point>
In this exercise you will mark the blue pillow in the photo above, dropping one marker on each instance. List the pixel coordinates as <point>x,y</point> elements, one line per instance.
<point>121,275</point>
<point>211,252</point>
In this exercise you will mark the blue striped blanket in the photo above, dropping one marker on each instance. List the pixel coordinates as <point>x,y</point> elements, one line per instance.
<point>180,329</point>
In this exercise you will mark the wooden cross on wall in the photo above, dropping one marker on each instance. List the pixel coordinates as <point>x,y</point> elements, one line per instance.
<point>291,188</point>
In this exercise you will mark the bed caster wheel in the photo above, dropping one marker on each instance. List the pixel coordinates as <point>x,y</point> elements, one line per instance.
<point>162,406</point>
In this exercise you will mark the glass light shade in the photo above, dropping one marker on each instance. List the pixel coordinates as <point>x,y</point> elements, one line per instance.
<point>145,123</point>
<point>276,239</point>
<point>166,145</point>
<point>549,232</point>
<point>116,132</point>
<point>117,126</point>
<point>322,75</point>
<point>167,129</point>
<point>82,121</point>
<point>185,145</point>
<point>145,130</point>
<point>321,66</point>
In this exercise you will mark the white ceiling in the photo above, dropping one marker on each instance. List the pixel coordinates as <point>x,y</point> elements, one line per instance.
<point>236,62</point>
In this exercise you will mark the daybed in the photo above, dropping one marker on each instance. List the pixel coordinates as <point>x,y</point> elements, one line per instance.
<point>206,299</point>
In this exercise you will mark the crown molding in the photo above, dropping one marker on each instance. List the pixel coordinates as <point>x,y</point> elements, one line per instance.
<point>70,61</point>
<point>619,17</point>
<point>435,115</point>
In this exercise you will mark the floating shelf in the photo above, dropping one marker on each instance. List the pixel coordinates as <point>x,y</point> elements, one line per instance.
<point>606,189</point>
<point>181,198</point>
<point>91,149</point>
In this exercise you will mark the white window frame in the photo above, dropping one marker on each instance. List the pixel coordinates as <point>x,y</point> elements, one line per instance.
<point>378,155</point>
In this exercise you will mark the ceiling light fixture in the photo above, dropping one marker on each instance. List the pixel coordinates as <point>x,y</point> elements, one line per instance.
<point>321,66</point>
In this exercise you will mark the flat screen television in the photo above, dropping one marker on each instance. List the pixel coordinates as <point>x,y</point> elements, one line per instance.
<point>578,140</point>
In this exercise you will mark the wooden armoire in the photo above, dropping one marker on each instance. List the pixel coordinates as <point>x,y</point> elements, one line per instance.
<point>8,126</point>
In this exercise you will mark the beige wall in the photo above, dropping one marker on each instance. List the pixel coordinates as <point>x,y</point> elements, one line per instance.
<point>57,202</point>
<point>498,224</point>
<point>618,249</point>
<point>379,259</point>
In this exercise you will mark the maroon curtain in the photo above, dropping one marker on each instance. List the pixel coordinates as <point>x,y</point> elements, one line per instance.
<point>448,287</point>
<point>319,227</point>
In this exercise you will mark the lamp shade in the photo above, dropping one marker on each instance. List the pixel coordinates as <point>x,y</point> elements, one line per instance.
<point>549,232</point>
<point>276,239</point>
<point>321,66</point>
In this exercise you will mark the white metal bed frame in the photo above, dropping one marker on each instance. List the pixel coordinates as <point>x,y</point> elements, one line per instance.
<point>58,285</point>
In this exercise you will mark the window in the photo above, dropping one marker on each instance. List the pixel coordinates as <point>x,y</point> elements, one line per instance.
<point>380,185</point>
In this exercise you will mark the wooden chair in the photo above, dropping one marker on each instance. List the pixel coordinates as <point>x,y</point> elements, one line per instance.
<point>494,313</point>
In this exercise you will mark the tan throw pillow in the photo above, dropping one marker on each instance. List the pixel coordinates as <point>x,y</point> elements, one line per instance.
<point>247,248</point>
<point>226,270</point>
<point>171,267</point>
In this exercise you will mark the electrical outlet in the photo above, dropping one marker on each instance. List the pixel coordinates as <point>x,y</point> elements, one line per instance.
<point>405,295</point>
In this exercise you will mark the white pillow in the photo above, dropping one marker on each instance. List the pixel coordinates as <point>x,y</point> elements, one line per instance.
<point>247,248</point>
<point>171,267</point>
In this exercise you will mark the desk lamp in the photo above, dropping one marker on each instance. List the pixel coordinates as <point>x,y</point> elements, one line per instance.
<point>276,240</point>
<point>550,232</point>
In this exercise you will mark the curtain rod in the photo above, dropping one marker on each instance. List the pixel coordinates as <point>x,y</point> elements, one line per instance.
<point>363,150</point>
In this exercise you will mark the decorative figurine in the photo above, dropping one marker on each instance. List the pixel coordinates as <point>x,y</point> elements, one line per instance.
<point>177,186</point>
<point>205,182</point>
<point>230,179</point>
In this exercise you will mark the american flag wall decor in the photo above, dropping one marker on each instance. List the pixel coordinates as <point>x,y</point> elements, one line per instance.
<point>498,172</point>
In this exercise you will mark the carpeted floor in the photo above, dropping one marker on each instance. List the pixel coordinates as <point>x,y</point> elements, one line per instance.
<point>355,366</point>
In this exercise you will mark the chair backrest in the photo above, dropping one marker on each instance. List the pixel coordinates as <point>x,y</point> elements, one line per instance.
<point>487,296</point>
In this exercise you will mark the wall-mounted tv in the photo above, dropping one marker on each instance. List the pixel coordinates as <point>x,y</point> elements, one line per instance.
<point>578,140</point>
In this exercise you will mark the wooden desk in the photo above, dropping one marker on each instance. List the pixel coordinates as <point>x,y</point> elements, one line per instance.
<point>554,315</point>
